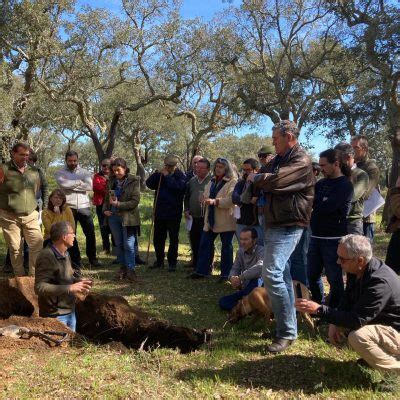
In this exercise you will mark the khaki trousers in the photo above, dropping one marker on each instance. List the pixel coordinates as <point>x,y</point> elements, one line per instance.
<point>378,345</point>
<point>16,226</point>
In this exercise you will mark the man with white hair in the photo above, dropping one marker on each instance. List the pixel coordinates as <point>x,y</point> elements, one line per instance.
<point>369,313</point>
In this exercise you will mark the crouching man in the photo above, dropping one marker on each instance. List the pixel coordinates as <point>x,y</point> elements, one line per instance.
<point>369,313</point>
<point>246,271</point>
<point>55,283</point>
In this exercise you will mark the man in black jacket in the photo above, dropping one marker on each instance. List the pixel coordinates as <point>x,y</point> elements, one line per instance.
<point>370,308</point>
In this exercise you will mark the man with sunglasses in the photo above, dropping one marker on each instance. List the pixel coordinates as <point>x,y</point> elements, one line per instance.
<point>289,192</point>
<point>369,313</point>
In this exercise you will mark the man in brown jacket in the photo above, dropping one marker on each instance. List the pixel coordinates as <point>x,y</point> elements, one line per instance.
<point>289,192</point>
<point>55,283</point>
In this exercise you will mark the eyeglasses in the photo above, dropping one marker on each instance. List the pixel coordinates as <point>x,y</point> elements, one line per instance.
<point>343,259</point>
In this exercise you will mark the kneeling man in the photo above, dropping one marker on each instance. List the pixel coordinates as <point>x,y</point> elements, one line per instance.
<point>246,271</point>
<point>369,313</point>
<point>55,283</point>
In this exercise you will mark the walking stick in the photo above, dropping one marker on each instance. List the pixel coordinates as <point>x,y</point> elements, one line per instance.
<point>152,218</point>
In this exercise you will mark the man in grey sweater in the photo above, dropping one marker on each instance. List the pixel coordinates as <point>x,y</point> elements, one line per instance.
<point>246,270</point>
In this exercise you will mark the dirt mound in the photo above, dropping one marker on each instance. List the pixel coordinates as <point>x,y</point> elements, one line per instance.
<point>100,318</point>
<point>36,324</point>
<point>110,318</point>
<point>26,284</point>
<point>13,302</point>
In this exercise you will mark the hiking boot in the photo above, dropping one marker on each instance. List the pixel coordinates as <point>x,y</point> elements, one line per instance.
<point>156,264</point>
<point>139,261</point>
<point>131,275</point>
<point>122,273</point>
<point>279,345</point>
<point>171,267</point>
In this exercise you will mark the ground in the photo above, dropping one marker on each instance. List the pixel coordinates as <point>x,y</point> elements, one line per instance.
<point>234,365</point>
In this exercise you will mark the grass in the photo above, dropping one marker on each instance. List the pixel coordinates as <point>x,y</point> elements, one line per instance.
<point>232,366</point>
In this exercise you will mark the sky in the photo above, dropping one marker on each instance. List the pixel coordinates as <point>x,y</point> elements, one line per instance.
<point>206,9</point>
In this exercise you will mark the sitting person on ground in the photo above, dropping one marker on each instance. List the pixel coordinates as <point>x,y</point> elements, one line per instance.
<point>56,211</point>
<point>218,220</point>
<point>369,313</point>
<point>55,283</point>
<point>244,196</point>
<point>122,212</point>
<point>246,271</point>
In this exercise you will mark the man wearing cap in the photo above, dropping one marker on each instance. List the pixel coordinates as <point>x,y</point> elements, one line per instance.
<point>171,183</point>
<point>265,156</point>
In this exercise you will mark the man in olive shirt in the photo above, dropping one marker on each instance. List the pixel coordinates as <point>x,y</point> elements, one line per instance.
<point>360,181</point>
<point>19,183</point>
<point>55,283</point>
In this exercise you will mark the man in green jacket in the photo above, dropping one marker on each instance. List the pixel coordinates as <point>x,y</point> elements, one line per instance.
<point>360,146</point>
<point>55,283</point>
<point>360,181</point>
<point>19,183</point>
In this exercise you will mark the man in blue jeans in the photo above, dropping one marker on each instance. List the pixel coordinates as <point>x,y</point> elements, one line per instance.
<point>246,271</point>
<point>289,193</point>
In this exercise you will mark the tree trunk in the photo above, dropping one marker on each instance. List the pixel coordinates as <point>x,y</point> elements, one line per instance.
<point>138,158</point>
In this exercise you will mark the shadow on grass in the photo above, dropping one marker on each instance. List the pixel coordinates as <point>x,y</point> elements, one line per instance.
<point>311,375</point>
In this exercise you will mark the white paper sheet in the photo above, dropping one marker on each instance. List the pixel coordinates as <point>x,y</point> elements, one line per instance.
<point>373,203</point>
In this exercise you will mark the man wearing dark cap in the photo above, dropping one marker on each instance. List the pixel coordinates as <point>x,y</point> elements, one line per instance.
<point>171,184</point>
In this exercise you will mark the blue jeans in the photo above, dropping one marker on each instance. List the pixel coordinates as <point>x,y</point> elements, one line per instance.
<point>124,237</point>
<point>68,320</point>
<point>369,230</point>
<point>260,233</point>
<point>298,260</point>
<point>206,249</point>
<point>230,301</point>
<point>322,253</point>
<point>279,244</point>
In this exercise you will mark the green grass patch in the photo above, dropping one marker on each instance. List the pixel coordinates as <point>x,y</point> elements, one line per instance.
<point>234,365</point>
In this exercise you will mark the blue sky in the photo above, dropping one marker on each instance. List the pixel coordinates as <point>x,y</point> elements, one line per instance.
<point>206,9</point>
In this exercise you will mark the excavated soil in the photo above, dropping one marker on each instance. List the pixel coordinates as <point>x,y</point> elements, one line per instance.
<point>100,318</point>
<point>9,345</point>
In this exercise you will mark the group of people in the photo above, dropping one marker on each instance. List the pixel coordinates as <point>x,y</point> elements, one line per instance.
<point>290,223</point>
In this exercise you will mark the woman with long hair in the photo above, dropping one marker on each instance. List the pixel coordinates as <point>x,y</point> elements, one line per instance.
<point>122,212</point>
<point>56,211</point>
<point>218,220</point>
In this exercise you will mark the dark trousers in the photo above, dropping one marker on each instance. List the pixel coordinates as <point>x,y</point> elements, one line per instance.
<point>393,252</point>
<point>230,301</point>
<point>105,230</point>
<point>322,253</point>
<point>195,237</point>
<point>162,227</point>
<point>84,217</point>
<point>206,249</point>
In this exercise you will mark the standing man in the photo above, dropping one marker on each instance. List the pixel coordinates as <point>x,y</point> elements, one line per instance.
<point>100,181</point>
<point>76,182</point>
<point>193,206</point>
<point>55,283</point>
<point>360,147</point>
<point>168,210</point>
<point>245,197</point>
<point>360,182</point>
<point>19,184</point>
<point>331,205</point>
<point>192,172</point>
<point>289,192</point>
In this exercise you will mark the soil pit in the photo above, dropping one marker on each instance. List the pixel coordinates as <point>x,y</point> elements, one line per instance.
<point>100,318</point>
